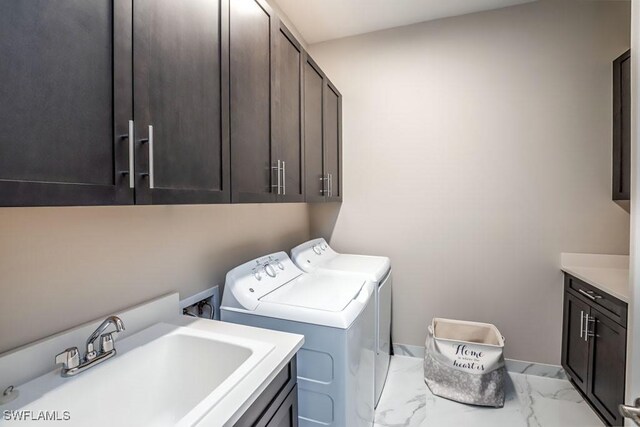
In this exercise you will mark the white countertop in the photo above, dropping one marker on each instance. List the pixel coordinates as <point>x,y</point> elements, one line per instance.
<point>609,273</point>
<point>34,360</point>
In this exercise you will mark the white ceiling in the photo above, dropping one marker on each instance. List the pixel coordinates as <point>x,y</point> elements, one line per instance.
<point>321,20</point>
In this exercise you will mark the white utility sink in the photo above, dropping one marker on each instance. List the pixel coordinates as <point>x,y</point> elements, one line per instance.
<point>164,375</point>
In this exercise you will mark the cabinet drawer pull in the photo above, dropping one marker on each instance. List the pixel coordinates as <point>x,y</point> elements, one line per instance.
<point>581,323</point>
<point>590,294</point>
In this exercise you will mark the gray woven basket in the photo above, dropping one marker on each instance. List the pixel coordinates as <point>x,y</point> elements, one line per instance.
<point>464,362</point>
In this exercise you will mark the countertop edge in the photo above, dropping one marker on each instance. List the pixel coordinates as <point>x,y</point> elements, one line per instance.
<point>598,284</point>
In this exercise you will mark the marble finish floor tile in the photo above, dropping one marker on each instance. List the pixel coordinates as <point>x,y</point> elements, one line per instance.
<point>531,401</point>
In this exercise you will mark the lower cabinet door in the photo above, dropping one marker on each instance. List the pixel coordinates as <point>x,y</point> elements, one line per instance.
<point>269,409</point>
<point>287,414</point>
<point>606,385</point>
<point>575,345</point>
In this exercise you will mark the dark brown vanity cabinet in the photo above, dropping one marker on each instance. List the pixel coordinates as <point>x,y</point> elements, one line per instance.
<point>65,90</point>
<point>575,346</point>
<point>277,406</point>
<point>323,136</point>
<point>594,340</point>
<point>622,127</point>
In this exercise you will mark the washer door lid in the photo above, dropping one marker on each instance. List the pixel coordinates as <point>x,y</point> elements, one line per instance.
<point>375,267</point>
<point>318,291</point>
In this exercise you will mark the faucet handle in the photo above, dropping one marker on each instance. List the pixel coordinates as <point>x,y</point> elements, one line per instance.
<point>70,358</point>
<point>106,342</point>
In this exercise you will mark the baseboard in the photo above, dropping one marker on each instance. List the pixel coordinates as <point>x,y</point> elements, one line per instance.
<point>408,350</point>
<point>515,366</point>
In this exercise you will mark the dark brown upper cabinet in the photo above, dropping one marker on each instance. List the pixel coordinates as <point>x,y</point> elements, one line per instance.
<point>313,132</point>
<point>323,136</point>
<point>108,102</point>
<point>267,150</point>
<point>288,132</point>
<point>254,171</point>
<point>180,93</point>
<point>622,127</point>
<point>65,85</point>
<point>89,119</point>
<point>333,141</point>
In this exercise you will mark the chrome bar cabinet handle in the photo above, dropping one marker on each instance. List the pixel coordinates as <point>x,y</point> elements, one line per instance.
<point>151,171</point>
<point>149,140</point>
<point>284,179</point>
<point>590,332</point>
<point>330,185</point>
<point>132,181</point>
<point>325,184</point>
<point>277,185</point>
<point>581,323</point>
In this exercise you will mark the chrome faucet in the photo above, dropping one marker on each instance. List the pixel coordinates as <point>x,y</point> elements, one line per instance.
<point>70,358</point>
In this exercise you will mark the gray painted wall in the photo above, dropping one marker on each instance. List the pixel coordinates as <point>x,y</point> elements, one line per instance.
<point>476,150</point>
<point>60,267</point>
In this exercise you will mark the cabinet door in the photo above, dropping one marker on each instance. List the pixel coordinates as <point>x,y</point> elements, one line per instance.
<point>622,127</point>
<point>333,142</point>
<point>607,366</point>
<point>315,182</point>
<point>287,414</point>
<point>182,149</point>
<point>253,169</point>
<point>575,345</point>
<point>65,86</point>
<point>289,147</point>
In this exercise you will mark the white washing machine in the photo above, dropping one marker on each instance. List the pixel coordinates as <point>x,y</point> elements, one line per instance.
<point>335,313</point>
<point>316,255</point>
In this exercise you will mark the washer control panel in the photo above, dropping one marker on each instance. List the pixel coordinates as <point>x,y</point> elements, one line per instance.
<point>254,279</point>
<point>271,267</point>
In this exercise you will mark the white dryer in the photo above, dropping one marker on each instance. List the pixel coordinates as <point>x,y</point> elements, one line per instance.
<point>336,315</point>
<point>316,255</point>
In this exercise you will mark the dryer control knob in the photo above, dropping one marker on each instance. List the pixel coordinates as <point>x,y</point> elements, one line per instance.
<point>317,250</point>
<point>280,265</point>
<point>323,246</point>
<point>257,275</point>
